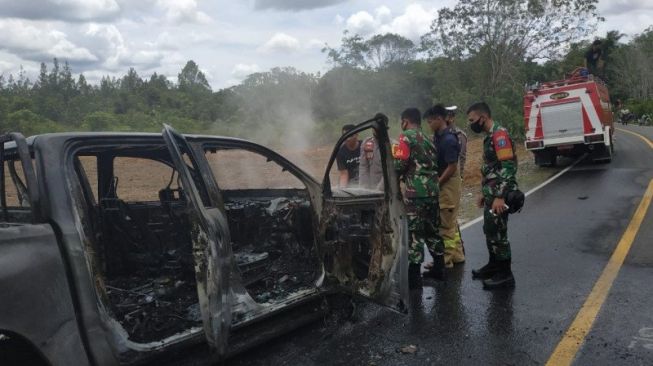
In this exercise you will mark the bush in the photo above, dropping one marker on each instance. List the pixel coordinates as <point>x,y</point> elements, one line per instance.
<point>99,121</point>
<point>29,123</point>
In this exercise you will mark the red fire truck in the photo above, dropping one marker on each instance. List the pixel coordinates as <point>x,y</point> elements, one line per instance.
<point>569,117</point>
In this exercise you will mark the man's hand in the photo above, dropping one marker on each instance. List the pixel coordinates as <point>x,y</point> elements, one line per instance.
<point>448,173</point>
<point>480,201</point>
<point>498,206</point>
<point>343,179</point>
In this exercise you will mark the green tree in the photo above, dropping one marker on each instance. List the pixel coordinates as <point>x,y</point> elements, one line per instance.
<point>630,68</point>
<point>388,49</point>
<point>506,32</point>
<point>29,123</point>
<point>100,121</point>
<point>351,52</point>
<point>377,52</point>
<point>192,79</point>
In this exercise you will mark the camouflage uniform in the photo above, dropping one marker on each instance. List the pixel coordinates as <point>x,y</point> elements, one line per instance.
<point>417,164</point>
<point>498,170</point>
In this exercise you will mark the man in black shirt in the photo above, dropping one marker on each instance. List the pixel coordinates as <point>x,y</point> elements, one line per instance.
<point>594,59</point>
<point>348,159</point>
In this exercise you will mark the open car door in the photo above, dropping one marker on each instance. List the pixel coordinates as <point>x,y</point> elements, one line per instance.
<point>210,237</point>
<point>365,232</point>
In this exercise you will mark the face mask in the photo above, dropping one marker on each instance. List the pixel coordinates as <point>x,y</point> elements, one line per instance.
<point>476,127</point>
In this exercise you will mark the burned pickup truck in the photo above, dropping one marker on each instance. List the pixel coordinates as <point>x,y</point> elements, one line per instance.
<point>132,248</point>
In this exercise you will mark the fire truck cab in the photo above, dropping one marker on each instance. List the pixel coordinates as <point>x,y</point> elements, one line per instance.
<point>569,117</point>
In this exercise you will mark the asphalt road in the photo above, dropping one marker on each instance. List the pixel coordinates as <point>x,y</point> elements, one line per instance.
<point>561,242</point>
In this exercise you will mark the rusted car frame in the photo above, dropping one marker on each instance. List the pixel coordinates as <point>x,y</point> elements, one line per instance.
<point>82,269</point>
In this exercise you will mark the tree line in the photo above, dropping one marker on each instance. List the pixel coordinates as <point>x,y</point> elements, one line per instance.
<point>477,50</point>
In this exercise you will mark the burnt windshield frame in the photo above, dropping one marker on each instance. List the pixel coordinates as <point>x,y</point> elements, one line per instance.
<point>108,149</point>
<point>269,155</point>
<point>25,157</point>
<point>380,126</point>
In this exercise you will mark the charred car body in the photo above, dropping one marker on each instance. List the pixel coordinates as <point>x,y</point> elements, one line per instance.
<point>91,274</point>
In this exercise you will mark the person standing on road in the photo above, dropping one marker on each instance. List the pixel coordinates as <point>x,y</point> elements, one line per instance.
<point>415,159</point>
<point>370,172</point>
<point>348,158</point>
<point>498,171</point>
<point>462,158</point>
<point>462,138</point>
<point>449,182</point>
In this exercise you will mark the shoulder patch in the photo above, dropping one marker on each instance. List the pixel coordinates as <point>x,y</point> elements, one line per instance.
<point>401,151</point>
<point>502,145</point>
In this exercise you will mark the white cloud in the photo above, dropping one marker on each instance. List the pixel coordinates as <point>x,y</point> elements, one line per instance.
<point>626,16</point>
<point>176,41</point>
<point>165,41</point>
<point>412,24</point>
<point>294,5</point>
<point>69,10</point>
<point>109,44</point>
<point>183,11</point>
<point>618,7</point>
<point>362,23</point>
<point>383,14</point>
<point>106,37</point>
<point>281,42</point>
<point>6,66</point>
<point>241,71</point>
<point>315,44</point>
<point>39,41</point>
<point>9,63</point>
<point>630,24</point>
<point>114,51</point>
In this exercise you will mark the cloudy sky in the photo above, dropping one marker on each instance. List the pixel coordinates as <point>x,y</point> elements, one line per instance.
<point>228,39</point>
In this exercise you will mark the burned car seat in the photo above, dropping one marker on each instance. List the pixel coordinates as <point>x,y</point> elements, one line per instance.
<point>130,238</point>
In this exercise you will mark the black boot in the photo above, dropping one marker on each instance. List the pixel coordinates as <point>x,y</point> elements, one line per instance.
<point>438,270</point>
<point>503,278</point>
<point>487,271</point>
<point>414,276</point>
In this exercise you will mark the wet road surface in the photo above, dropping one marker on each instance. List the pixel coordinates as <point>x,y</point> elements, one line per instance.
<point>561,242</point>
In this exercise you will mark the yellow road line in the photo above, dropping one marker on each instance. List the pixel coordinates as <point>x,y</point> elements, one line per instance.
<point>571,342</point>
<point>644,138</point>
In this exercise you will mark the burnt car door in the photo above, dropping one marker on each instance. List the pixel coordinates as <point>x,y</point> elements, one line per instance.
<point>365,231</point>
<point>210,240</point>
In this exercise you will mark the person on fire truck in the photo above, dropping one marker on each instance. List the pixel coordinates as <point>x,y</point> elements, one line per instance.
<point>593,61</point>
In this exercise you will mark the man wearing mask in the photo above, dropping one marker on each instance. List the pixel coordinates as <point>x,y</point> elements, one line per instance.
<point>450,184</point>
<point>498,178</point>
<point>348,158</point>
<point>415,160</point>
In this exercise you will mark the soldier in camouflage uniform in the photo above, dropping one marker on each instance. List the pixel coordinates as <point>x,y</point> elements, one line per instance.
<point>416,163</point>
<point>498,170</point>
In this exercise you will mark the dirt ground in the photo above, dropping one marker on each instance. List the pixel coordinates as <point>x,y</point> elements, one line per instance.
<point>141,180</point>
